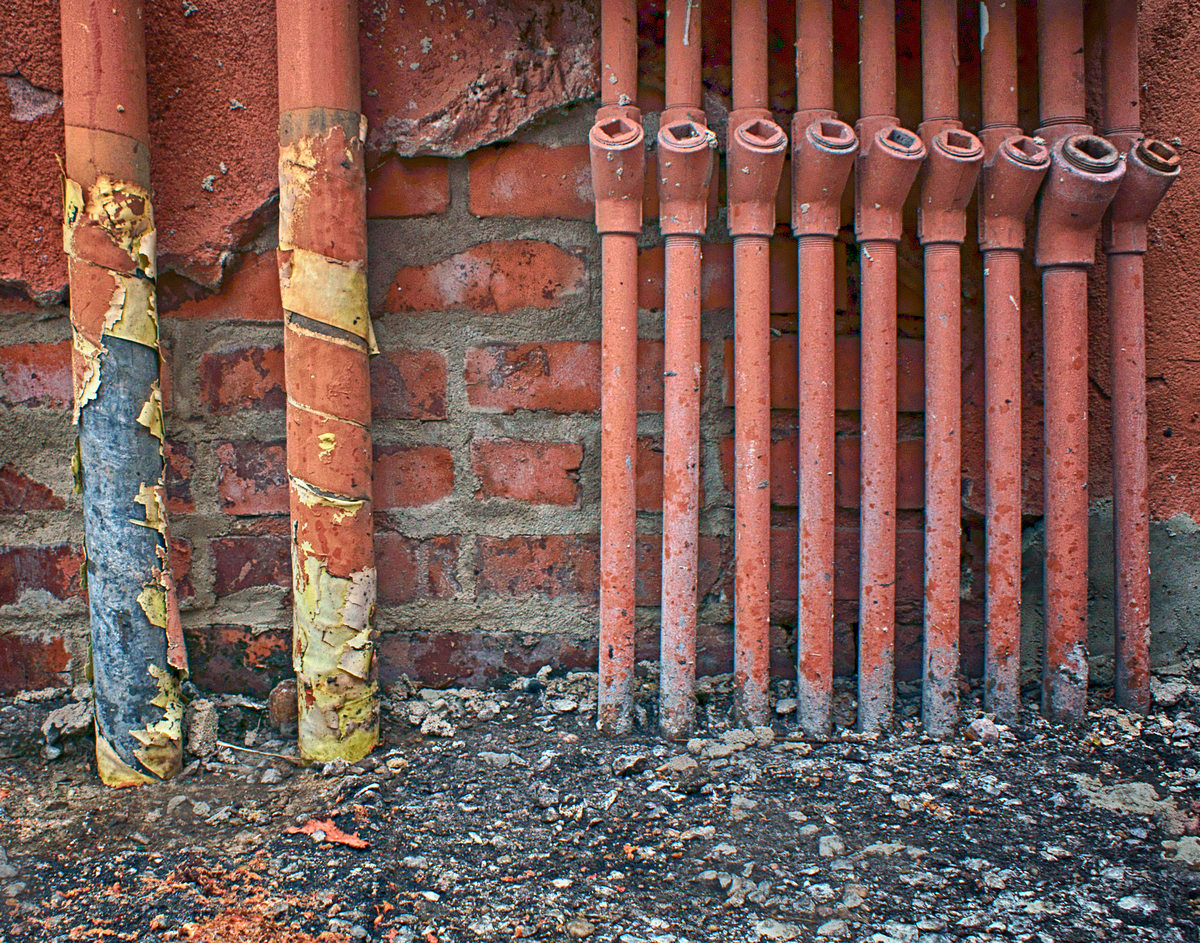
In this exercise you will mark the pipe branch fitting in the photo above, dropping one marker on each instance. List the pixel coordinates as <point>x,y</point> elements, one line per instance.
<point>1150,168</point>
<point>617,146</point>
<point>823,151</point>
<point>887,168</point>
<point>1085,172</point>
<point>685,166</point>
<point>753,165</point>
<point>1008,185</point>
<point>948,181</point>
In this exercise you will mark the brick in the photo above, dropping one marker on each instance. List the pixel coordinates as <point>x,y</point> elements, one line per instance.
<point>252,477</point>
<point>181,567</point>
<point>561,376</point>
<point>53,569</point>
<point>238,659</point>
<point>649,474</point>
<point>179,466</point>
<point>20,493</point>
<point>415,568</point>
<point>243,378</point>
<point>910,472</point>
<point>476,658</point>
<point>714,576</point>
<point>408,186</point>
<point>533,181</point>
<point>491,278</point>
<point>249,293</point>
<point>412,476</point>
<point>910,393</point>
<point>33,662</point>
<point>714,648</point>
<point>408,384</point>
<point>785,460</point>
<point>537,472</point>
<point>551,566</point>
<point>36,374</point>
<point>247,561</point>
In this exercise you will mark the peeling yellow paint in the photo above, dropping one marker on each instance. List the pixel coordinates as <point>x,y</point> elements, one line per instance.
<point>132,311</point>
<point>327,441</point>
<point>313,497</point>
<point>161,751</point>
<point>123,211</point>
<point>85,387</point>
<point>333,658</point>
<point>151,415</point>
<point>77,468</point>
<point>113,770</point>
<point>153,499</point>
<point>326,290</point>
<point>153,600</point>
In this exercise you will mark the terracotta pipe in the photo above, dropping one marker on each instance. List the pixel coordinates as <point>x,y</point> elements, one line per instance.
<point>887,166</point>
<point>1013,171</point>
<point>1151,167</point>
<point>685,163</point>
<point>1061,101</point>
<point>754,161</point>
<point>618,158</point>
<point>1085,172</point>
<point>823,151</point>
<point>327,340</point>
<point>948,182</point>
<point>138,658</point>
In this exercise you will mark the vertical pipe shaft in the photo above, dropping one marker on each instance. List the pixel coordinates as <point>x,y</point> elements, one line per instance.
<point>138,657</point>
<point>749,54</point>
<point>998,66</point>
<point>949,179</point>
<point>752,455</point>
<point>877,59</point>
<point>1061,68</point>
<point>1002,460</point>
<point>815,327</point>
<point>618,172</point>
<point>814,56</point>
<point>877,514</point>
<point>684,90</point>
<point>1064,297</point>
<point>1131,513</point>
<point>681,484</point>
<point>327,340</point>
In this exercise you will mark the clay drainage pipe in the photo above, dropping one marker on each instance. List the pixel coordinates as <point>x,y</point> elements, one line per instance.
<point>754,162</point>
<point>1012,173</point>
<point>1151,167</point>
<point>823,151</point>
<point>138,658</point>
<point>618,157</point>
<point>685,162</point>
<point>887,166</point>
<point>948,182</point>
<point>1085,172</point>
<point>326,341</point>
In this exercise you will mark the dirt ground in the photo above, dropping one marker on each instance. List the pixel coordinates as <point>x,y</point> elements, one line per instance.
<point>502,814</point>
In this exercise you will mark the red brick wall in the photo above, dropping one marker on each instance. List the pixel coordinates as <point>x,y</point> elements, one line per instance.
<point>485,291</point>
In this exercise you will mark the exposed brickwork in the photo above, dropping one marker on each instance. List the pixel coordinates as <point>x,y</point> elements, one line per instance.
<point>245,378</point>
<point>36,374</point>
<point>31,662</point>
<point>492,278</point>
<point>415,186</point>
<point>551,566</point>
<point>252,477</point>
<point>537,472</point>
<point>533,181</point>
<point>408,384</point>
<point>19,492</point>
<point>53,570</point>
<point>412,476</point>
<point>250,293</point>
<point>247,561</point>
<point>413,568</point>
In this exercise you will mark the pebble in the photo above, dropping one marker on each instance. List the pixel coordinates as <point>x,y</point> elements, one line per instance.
<point>437,726</point>
<point>200,727</point>
<point>831,846</point>
<point>627,764</point>
<point>1137,904</point>
<point>785,705</point>
<point>67,721</point>
<point>834,930</point>
<point>579,928</point>
<point>982,730</point>
<point>271,776</point>
<point>281,706</point>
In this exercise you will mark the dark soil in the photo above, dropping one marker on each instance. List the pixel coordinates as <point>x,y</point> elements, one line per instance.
<point>529,825</point>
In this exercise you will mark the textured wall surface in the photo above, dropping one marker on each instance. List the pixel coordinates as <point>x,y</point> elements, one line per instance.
<point>484,275</point>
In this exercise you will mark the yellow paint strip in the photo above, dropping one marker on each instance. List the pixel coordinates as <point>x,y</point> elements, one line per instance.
<point>153,499</point>
<point>123,211</point>
<point>326,290</point>
<point>151,415</point>
<point>313,497</point>
<point>132,312</point>
<point>113,770</point>
<point>87,386</point>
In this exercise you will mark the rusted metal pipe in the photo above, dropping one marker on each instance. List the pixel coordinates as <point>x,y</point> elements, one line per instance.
<point>618,159</point>
<point>887,166</point>
<point>948,182</point>
<point>1151,167</point>
<point>1013,171</point>
<point>138,658</point>
<point>823,151</point>
<point>685,162</point>
<point>1085,172</point>
<point>754,161</point>
<point>327,340</point>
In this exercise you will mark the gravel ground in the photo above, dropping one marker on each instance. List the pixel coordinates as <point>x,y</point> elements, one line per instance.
<point>502,814</point>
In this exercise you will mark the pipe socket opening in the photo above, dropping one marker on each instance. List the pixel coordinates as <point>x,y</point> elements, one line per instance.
<point>1159,155</point>
<point>616,132</point>
<point>959,144</point>
<point>1025,150</point>
<point>1090,153</point>
<point>685,136</point>
<point>831,134</point>
<point>904,143</point>
<point>761,135</point>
